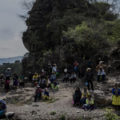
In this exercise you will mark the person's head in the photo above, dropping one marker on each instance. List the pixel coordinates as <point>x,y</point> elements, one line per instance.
<point>88,69</point>
<point>77,88</point>
<point>101,62</point>
<point>116,85</point>
<point>89,96</point>
<point>38,86</point>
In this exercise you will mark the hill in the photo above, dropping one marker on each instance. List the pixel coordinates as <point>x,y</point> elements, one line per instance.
<point>10,60</point>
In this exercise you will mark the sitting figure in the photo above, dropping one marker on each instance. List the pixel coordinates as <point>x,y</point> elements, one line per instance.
<point>42,83</point>
<point>89,105</point>
<point>38,94</point>
<point>2,108</point>
<point>77,97</point>
<point>66,77</point>
<point>46,94</point>
<point>85,95</point>
<point>54,86</point>
<point>73,77</point>
<point>116,96</point>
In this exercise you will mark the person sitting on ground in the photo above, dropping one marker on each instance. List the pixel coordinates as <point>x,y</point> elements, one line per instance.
<point>77,97</point>
<point>101,74</point>
<point>73,77</point>
<point>89,79</point>
<point>85,95</point>
<point>66,77</point>
<point>3,108</point>
<point>54,86</point>
<point>89,103</point>
<point>38,94</point>
<point>46,94</point>
<point>116,95</point>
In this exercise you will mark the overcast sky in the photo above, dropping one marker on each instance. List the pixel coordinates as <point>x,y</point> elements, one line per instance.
<point>11,28</point>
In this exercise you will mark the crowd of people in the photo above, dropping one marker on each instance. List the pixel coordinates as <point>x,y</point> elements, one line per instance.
<point>46,80</point>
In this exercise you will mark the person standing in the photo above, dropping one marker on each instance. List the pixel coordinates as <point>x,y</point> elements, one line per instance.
<point>101,74</point>
<point>89,79</point>
<point>116,96</point>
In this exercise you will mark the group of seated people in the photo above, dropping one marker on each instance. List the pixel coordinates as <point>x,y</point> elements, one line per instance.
<point>83,99</point>
<point>43,83</point>
<point>69,76</point>
<point>41,94</point>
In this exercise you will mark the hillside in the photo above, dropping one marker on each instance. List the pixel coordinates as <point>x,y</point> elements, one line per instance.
<point>10,60</point>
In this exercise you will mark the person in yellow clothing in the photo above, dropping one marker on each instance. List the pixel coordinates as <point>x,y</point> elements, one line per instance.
<point>46,94</point>
<point>89,105</point>
<point>35,78</point>
<point>116,95</point>
<point>85,95</point>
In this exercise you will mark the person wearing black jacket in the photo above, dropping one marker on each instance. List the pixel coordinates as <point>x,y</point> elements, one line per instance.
<point>77,96</point>
<point>89,79</point>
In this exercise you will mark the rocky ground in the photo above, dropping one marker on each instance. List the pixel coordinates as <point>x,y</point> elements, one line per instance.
<point>60,106</point>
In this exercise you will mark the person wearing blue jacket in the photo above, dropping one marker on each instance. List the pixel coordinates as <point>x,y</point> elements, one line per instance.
<point>116,95</point>
<point>2,108</point>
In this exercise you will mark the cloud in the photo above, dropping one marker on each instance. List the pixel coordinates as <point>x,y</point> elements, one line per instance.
<point>11,27</point>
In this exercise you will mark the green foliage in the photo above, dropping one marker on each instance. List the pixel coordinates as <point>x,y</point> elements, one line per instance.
<point>89,40</point>
<point>16,67</point>
<point>89,28</point>
<point>53,113</point>
<point>110,115</point>
<point>62,117</point>
<point>114,31</point>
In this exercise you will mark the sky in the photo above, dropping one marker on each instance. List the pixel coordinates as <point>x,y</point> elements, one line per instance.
<point>11,28</point>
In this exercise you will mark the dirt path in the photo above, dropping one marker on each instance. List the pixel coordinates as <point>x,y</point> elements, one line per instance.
<point>60,106</point>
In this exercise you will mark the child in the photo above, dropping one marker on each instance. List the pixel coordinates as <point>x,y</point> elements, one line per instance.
<point>46,94</point>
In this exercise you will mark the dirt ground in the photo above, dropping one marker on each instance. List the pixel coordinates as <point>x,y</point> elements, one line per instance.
<point>22,103</point>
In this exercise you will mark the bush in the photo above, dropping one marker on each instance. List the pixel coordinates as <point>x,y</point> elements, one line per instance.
<point>110,115</point>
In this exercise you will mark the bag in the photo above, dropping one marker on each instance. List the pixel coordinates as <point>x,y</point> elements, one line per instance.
<point>86,83</point>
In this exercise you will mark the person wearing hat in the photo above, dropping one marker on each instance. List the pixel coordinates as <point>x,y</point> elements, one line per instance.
<point>101,74</point>
<point>89,79</point>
